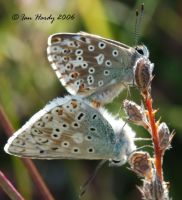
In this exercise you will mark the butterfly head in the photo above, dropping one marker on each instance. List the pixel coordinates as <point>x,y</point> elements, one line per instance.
<point>123,149</point>
<point>142,50</point>
<point>124,145</point>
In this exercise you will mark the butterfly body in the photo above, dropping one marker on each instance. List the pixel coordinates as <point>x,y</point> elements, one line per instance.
<point>89,65</point>
<point>70,128</point>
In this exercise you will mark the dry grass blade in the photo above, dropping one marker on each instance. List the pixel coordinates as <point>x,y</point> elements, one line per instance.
<point>45,193</point>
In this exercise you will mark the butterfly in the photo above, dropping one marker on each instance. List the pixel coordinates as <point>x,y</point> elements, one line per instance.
<point>71,128</point>
<point>92,66</point>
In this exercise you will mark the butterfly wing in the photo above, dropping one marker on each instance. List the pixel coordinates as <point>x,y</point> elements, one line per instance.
<point>87,63</point>
<point>66,128</point>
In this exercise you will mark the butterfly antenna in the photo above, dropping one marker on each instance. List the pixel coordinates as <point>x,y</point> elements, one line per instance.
<point>84,187</point>
<point>122,129</point>
<point>142,147</point>
<point>128,94</point>
<point>139,17</point>
<point>139,148</point>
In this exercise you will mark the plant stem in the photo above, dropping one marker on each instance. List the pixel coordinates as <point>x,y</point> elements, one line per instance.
<point>10,190</point>
<point>46,195</point>
<point>157,150</point>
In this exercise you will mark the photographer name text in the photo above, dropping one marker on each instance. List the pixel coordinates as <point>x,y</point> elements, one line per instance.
<point>40,17</point>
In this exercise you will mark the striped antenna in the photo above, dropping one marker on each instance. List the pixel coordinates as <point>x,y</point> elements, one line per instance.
<point>139,16</point>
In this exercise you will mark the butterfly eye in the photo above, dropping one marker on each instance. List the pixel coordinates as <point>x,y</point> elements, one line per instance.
<point>142,50</point>
<point>116,163</point>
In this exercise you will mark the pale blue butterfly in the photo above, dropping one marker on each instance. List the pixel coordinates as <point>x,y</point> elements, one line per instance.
<point>70,128</point>
<point>92,66</point>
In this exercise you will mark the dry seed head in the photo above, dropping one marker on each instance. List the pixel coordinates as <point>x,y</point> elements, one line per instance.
<point>141,164</point>
<point>165,137</point>
<point>136,114</point>
<point>143,74</point>
<point>154,189</point>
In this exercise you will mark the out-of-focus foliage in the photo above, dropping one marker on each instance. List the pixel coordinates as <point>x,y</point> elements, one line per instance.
<point>27,83</point>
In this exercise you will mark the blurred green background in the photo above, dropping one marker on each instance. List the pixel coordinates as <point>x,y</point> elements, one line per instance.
<point>27,83</point>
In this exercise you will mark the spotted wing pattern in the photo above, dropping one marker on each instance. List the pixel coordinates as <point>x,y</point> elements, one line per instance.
<point>66,128</point>
<point>87,63</point>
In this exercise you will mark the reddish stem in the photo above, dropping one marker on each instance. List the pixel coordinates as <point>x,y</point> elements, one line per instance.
<point>9,188</point>
<point>157,150</point>
<point>46,195</point>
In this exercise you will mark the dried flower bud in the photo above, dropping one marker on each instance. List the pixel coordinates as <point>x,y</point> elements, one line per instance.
<point>165,137</point>
<point>143,74</point>
<point>141,164</point>
<point>136,114</point>
<point>155,189</point>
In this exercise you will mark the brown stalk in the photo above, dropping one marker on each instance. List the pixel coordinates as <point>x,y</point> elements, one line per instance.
<point>157,151</point>
<point>8,188</point>
<point>34,173</point>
